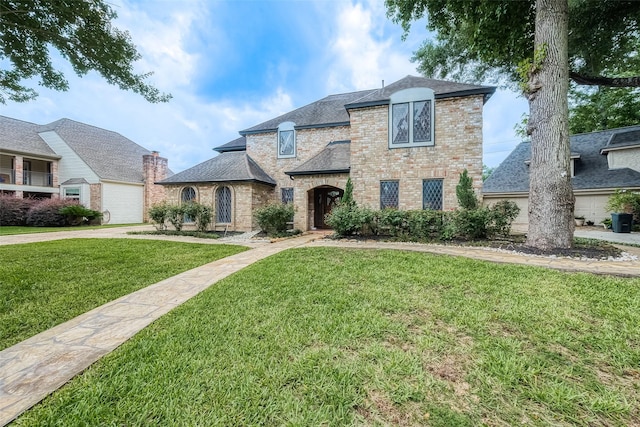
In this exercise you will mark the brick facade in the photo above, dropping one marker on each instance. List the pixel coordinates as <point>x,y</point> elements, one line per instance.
<point>154,169</point>
<point>458,145</point>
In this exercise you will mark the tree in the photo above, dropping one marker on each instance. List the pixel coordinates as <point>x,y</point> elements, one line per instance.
<point>464,191</point>
<point>81,32</point>
<point>486,172</point>
<point>531,45</point>
<point>603,108</point>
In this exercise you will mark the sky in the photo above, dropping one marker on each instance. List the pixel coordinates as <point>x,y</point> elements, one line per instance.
<point>233,64</point>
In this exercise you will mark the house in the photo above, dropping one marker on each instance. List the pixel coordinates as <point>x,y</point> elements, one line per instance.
<point>102,169</point>
<point>601,162</point>
<point>403,145</point>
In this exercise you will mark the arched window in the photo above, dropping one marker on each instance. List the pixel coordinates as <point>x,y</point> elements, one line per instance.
<point>188,195</point>
<point>223,205</point>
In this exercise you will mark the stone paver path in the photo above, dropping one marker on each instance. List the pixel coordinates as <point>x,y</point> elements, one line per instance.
<point>36,367</point>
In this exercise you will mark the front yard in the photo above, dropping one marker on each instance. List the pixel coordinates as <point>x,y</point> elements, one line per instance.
<point>45,284</point>
<point>328,336</point>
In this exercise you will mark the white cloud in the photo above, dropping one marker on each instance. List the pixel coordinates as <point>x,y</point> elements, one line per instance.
<point>362,54</point>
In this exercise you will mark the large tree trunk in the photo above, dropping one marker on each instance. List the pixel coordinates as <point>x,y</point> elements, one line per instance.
<point>551,199</point>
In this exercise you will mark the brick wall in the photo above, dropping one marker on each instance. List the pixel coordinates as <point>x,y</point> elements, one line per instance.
<point>95,197</point>
<point>245,197</point>
<point>154,169</point>
<point>458,145</point>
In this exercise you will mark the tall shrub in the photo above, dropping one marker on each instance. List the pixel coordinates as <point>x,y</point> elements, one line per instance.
<point>46,213</point>
<point>175,215</point>
<point>273,219</point>
<point>13,210</point>
<point>200,214</point>
<point>159,215</point>
<point>464,191</point>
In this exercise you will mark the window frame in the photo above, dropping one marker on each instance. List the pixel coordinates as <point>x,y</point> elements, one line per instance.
<point>77,197</point>
<point>411,98</point>
<point>289,129</point>
<point>219,215</point>
<point>433,180</point>
<point>286,198</point>
<point>397,191</point>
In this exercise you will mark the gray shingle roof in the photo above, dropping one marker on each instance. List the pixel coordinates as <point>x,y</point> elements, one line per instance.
<point>624,138</point>
<point>326,111</point>
<point>238,144</point>
<point>591,169</point>
<point>21,136</point>
<point>441,89</point>
<point>227,167</point>
<point>334,158</point>
<point>109,154</point>
<point>331,110</point>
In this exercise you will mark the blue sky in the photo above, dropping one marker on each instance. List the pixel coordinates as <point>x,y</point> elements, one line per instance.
<point>233,64</point>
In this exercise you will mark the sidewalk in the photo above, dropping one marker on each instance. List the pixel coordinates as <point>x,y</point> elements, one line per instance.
<point>36,367</point>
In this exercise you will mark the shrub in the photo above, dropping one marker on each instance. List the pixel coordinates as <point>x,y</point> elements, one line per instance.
<point>200,214</point>
<point>159,214</point>
<point>393,222</point>
<point>273,219</point>
<point>501,216</point>
<point>425,224</point>
<point>46,213</point>
<point>464,191</point>
<point>625,201</point>
<point>175,215</point>
<point>471,223</point>
<point>76,214</point>
<point>13,211</point>
<point>349,219</point>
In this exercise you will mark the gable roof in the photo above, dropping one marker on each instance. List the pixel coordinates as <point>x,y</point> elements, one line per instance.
<point>441,89</point>
<point>22,137</point>
<point>622,139</point>
<point>334,158</point>
<point>591,168</point>
<point>332,110</point>
<point>110,155</point>
<point>238,144</point>
<point>229,166</point>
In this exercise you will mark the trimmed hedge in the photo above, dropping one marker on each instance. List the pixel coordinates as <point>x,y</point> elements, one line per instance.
<point>13,211</point>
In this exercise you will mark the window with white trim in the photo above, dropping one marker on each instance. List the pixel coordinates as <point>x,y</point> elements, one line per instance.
<point>411,118</point>
<point>72,193</point>
<point>389,194</point>
<point>432,194</point>
<point>286,140</point>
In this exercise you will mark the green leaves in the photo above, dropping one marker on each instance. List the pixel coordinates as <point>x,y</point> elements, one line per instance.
<point>31,31</point>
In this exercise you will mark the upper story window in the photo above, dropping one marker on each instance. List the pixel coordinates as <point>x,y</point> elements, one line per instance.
<point>286,140</point>
<point>411,118</point>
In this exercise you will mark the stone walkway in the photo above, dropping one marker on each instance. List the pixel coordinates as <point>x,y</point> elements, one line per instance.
<point>36,367</point>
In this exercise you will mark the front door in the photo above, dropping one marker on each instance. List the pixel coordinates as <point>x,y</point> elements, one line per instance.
<point>325,200</point>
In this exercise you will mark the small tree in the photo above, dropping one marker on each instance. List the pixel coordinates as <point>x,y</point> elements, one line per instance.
<point>175,216</point>
<point>347,197</point>
<point>159,214</point>
<point>464,190</point>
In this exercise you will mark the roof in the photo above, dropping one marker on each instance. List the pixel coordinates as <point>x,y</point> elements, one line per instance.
<point>20,136</point>
<point>441,89</point>
<point>591,168</point>
<point>226,167</point>
<point>75,181</point>
<point>332,110</point>
<point>238,144</point>
<point>110,155</point>
<point>334,158</point>
<point>621,139</point>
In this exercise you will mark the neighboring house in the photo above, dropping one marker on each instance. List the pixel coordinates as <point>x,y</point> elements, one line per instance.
<point>403,145</point>
<point>601,162</point>
<point>102,169</point>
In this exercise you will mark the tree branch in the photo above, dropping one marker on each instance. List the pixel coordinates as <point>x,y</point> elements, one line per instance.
<point>582,79</point>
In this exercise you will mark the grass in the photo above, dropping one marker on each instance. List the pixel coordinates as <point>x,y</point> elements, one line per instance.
<point>7,230</point>
<point>326,336</point>
<point>47,283</point>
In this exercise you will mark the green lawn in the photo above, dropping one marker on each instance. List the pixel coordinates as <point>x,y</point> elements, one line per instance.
<point>7,230</point>
<point>325,336</point>
<point>44,284</point>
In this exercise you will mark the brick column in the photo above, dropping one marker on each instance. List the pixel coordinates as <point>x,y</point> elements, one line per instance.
<point>154,169</point>
<point>18,170</point>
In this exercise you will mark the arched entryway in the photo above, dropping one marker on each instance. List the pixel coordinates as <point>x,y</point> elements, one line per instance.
<point>325,198</point>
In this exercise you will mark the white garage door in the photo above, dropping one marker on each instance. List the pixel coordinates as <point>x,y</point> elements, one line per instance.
<point>124,202</point>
